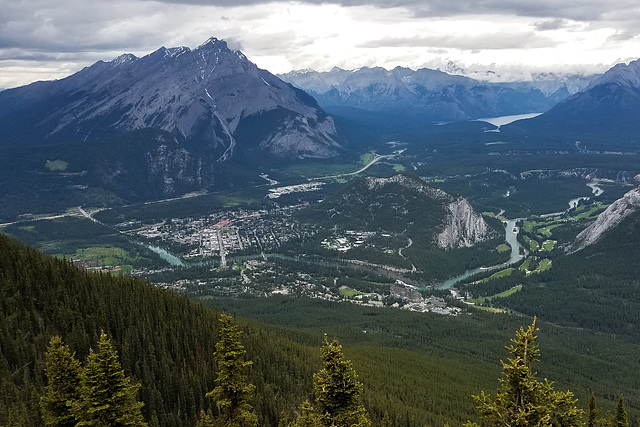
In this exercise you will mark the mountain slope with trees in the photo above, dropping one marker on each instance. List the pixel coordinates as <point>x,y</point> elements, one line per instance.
<point>416,368</point>
<point>165,341</point>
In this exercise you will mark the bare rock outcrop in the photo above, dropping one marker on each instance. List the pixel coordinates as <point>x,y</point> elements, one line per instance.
<point>464,227</point>
<point>607,220</point>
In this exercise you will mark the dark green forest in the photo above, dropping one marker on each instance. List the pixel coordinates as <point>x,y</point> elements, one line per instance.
<point>165,341</point>
<point>417,368</point>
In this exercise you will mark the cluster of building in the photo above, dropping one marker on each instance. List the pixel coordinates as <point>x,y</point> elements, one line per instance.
<point>227,232</point>
<point>350,239</point>
<point>276,192</point>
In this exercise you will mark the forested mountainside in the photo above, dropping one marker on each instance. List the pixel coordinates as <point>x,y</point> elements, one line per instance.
<point>165,341</point>
<point>420,369</point>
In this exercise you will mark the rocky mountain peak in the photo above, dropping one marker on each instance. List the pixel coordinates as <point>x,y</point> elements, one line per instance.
<point>213,42</point>
<point>622,208</point>
<point>622,74</point>
<point>201,96</point>
<point>123,60</point>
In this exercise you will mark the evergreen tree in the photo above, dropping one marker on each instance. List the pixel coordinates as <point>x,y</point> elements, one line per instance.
<point>308,416</point>
<point>386,420</point>
<point>593,412</point>
<point>205,419</point>
<point>337,392</point>
<point>232,394</point>
<point>63,374</point>
<point>107,396</point>
<point>522,399</point>
<point>620,417</point>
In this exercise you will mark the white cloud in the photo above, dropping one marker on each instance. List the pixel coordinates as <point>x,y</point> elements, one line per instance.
<point>41,39</point>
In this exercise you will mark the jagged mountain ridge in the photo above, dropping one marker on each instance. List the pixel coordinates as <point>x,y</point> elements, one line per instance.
<point>201,96</point>
<point>427,93</point>
<point>609,107</point>
<point>166,124</point>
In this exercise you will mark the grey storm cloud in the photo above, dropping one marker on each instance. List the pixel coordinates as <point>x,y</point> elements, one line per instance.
<point>498,40</point>
<point>580,10</point>
<point>49,39</point>
<point>551,24</point>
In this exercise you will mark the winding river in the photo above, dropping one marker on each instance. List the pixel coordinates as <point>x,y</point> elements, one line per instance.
<point>166,255</point>
<point>517,253</point>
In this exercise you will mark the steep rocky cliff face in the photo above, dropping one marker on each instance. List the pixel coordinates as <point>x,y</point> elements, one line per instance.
<point>621,209</point>
<point>463,226</point>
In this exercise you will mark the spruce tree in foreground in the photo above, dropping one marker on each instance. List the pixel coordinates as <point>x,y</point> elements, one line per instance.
<point>233,394</point>
<point>620,417</point>
<point>63,376</point>
<point>522,400</point>
<point>337,393</point>
<point>592,415</point>
<point>107,396</point>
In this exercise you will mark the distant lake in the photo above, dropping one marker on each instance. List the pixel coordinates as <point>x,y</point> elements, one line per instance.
<point>504,120</point>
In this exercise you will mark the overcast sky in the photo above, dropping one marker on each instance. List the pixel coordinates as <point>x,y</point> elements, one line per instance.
<point>49,39</point>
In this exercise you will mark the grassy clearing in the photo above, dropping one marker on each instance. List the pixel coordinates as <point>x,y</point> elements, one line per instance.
<point>503,248</point>
<point>501,273</point>
<point>366,158</point>
<point>508,292</point>
<point>56,165</point>
<point>110,256</point>
<point>504,294</point>
<point>584,213</point>
<point>546,231</point>
<point>525,265</point>
<point>544,265</point>
<point>348,292</point>
<point>398,168</point>
<point>548,245</point>
<point>533,245</point>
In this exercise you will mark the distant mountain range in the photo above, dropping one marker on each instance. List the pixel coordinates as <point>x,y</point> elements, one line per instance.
<point>205,98</point>
<point>609,107</point>
<point>432,94</point>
